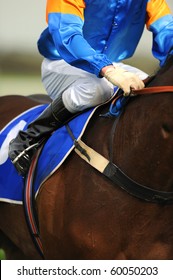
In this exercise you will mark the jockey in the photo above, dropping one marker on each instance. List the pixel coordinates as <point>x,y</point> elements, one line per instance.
<point>80,45</point>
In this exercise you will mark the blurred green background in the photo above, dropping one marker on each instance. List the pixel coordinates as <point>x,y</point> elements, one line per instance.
<point>20,74</point>
<point>2,254</point>
<point>21,23</point>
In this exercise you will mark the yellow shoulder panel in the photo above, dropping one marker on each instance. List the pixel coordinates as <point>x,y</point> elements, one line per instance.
<point>155,10</point>
<point>74,7</point>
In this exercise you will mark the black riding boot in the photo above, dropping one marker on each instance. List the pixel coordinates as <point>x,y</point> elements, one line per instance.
<point>25,145</point>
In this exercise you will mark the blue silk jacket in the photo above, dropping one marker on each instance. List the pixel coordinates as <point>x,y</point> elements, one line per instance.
<point>91,34</point>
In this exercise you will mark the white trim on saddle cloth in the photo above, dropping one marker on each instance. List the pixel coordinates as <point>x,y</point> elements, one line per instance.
<point>53,154</point>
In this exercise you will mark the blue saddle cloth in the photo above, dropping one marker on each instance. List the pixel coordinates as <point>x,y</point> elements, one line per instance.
<point>54,152</point>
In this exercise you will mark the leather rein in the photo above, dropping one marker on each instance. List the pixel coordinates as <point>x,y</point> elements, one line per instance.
<point>115,174</point>
<point>152,90</point>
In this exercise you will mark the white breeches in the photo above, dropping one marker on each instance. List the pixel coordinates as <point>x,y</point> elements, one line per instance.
<point>79,89</point>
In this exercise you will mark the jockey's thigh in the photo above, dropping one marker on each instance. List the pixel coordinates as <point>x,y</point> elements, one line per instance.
<point>79,89</point>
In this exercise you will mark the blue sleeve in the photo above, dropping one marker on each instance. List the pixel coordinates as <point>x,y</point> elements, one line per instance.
<point>66,31</point>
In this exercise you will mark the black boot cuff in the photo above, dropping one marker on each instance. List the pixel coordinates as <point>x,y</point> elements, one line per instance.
<point>59,111</point>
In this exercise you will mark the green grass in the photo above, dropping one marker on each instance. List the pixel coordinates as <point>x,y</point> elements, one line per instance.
<point>20,84</point>
<point>2,254</point>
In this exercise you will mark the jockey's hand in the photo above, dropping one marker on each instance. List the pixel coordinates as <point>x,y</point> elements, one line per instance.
<point>125,80</point>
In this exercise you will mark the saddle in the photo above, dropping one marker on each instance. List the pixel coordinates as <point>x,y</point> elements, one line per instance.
<point>51,156</point>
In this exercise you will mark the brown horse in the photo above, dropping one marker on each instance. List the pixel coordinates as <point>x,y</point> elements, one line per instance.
<point>84,215</point>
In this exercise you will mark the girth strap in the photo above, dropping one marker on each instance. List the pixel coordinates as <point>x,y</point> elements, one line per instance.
<point>118,177</point>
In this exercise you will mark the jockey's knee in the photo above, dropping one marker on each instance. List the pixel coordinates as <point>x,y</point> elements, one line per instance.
<point>85,93</point>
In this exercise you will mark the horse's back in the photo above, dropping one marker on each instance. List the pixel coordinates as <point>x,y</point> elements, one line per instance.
<point>13,105</point>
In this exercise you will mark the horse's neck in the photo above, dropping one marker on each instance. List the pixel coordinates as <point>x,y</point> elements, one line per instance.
<point>143,134</point>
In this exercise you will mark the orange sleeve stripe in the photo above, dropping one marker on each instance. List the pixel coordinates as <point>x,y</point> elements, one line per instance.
<point>156,9</point>
<point>74,7</point>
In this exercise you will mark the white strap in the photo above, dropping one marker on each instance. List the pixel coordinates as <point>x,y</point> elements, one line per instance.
<point>95,159</point>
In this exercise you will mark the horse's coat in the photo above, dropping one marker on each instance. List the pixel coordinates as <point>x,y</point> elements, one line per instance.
<point>82,215</point>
